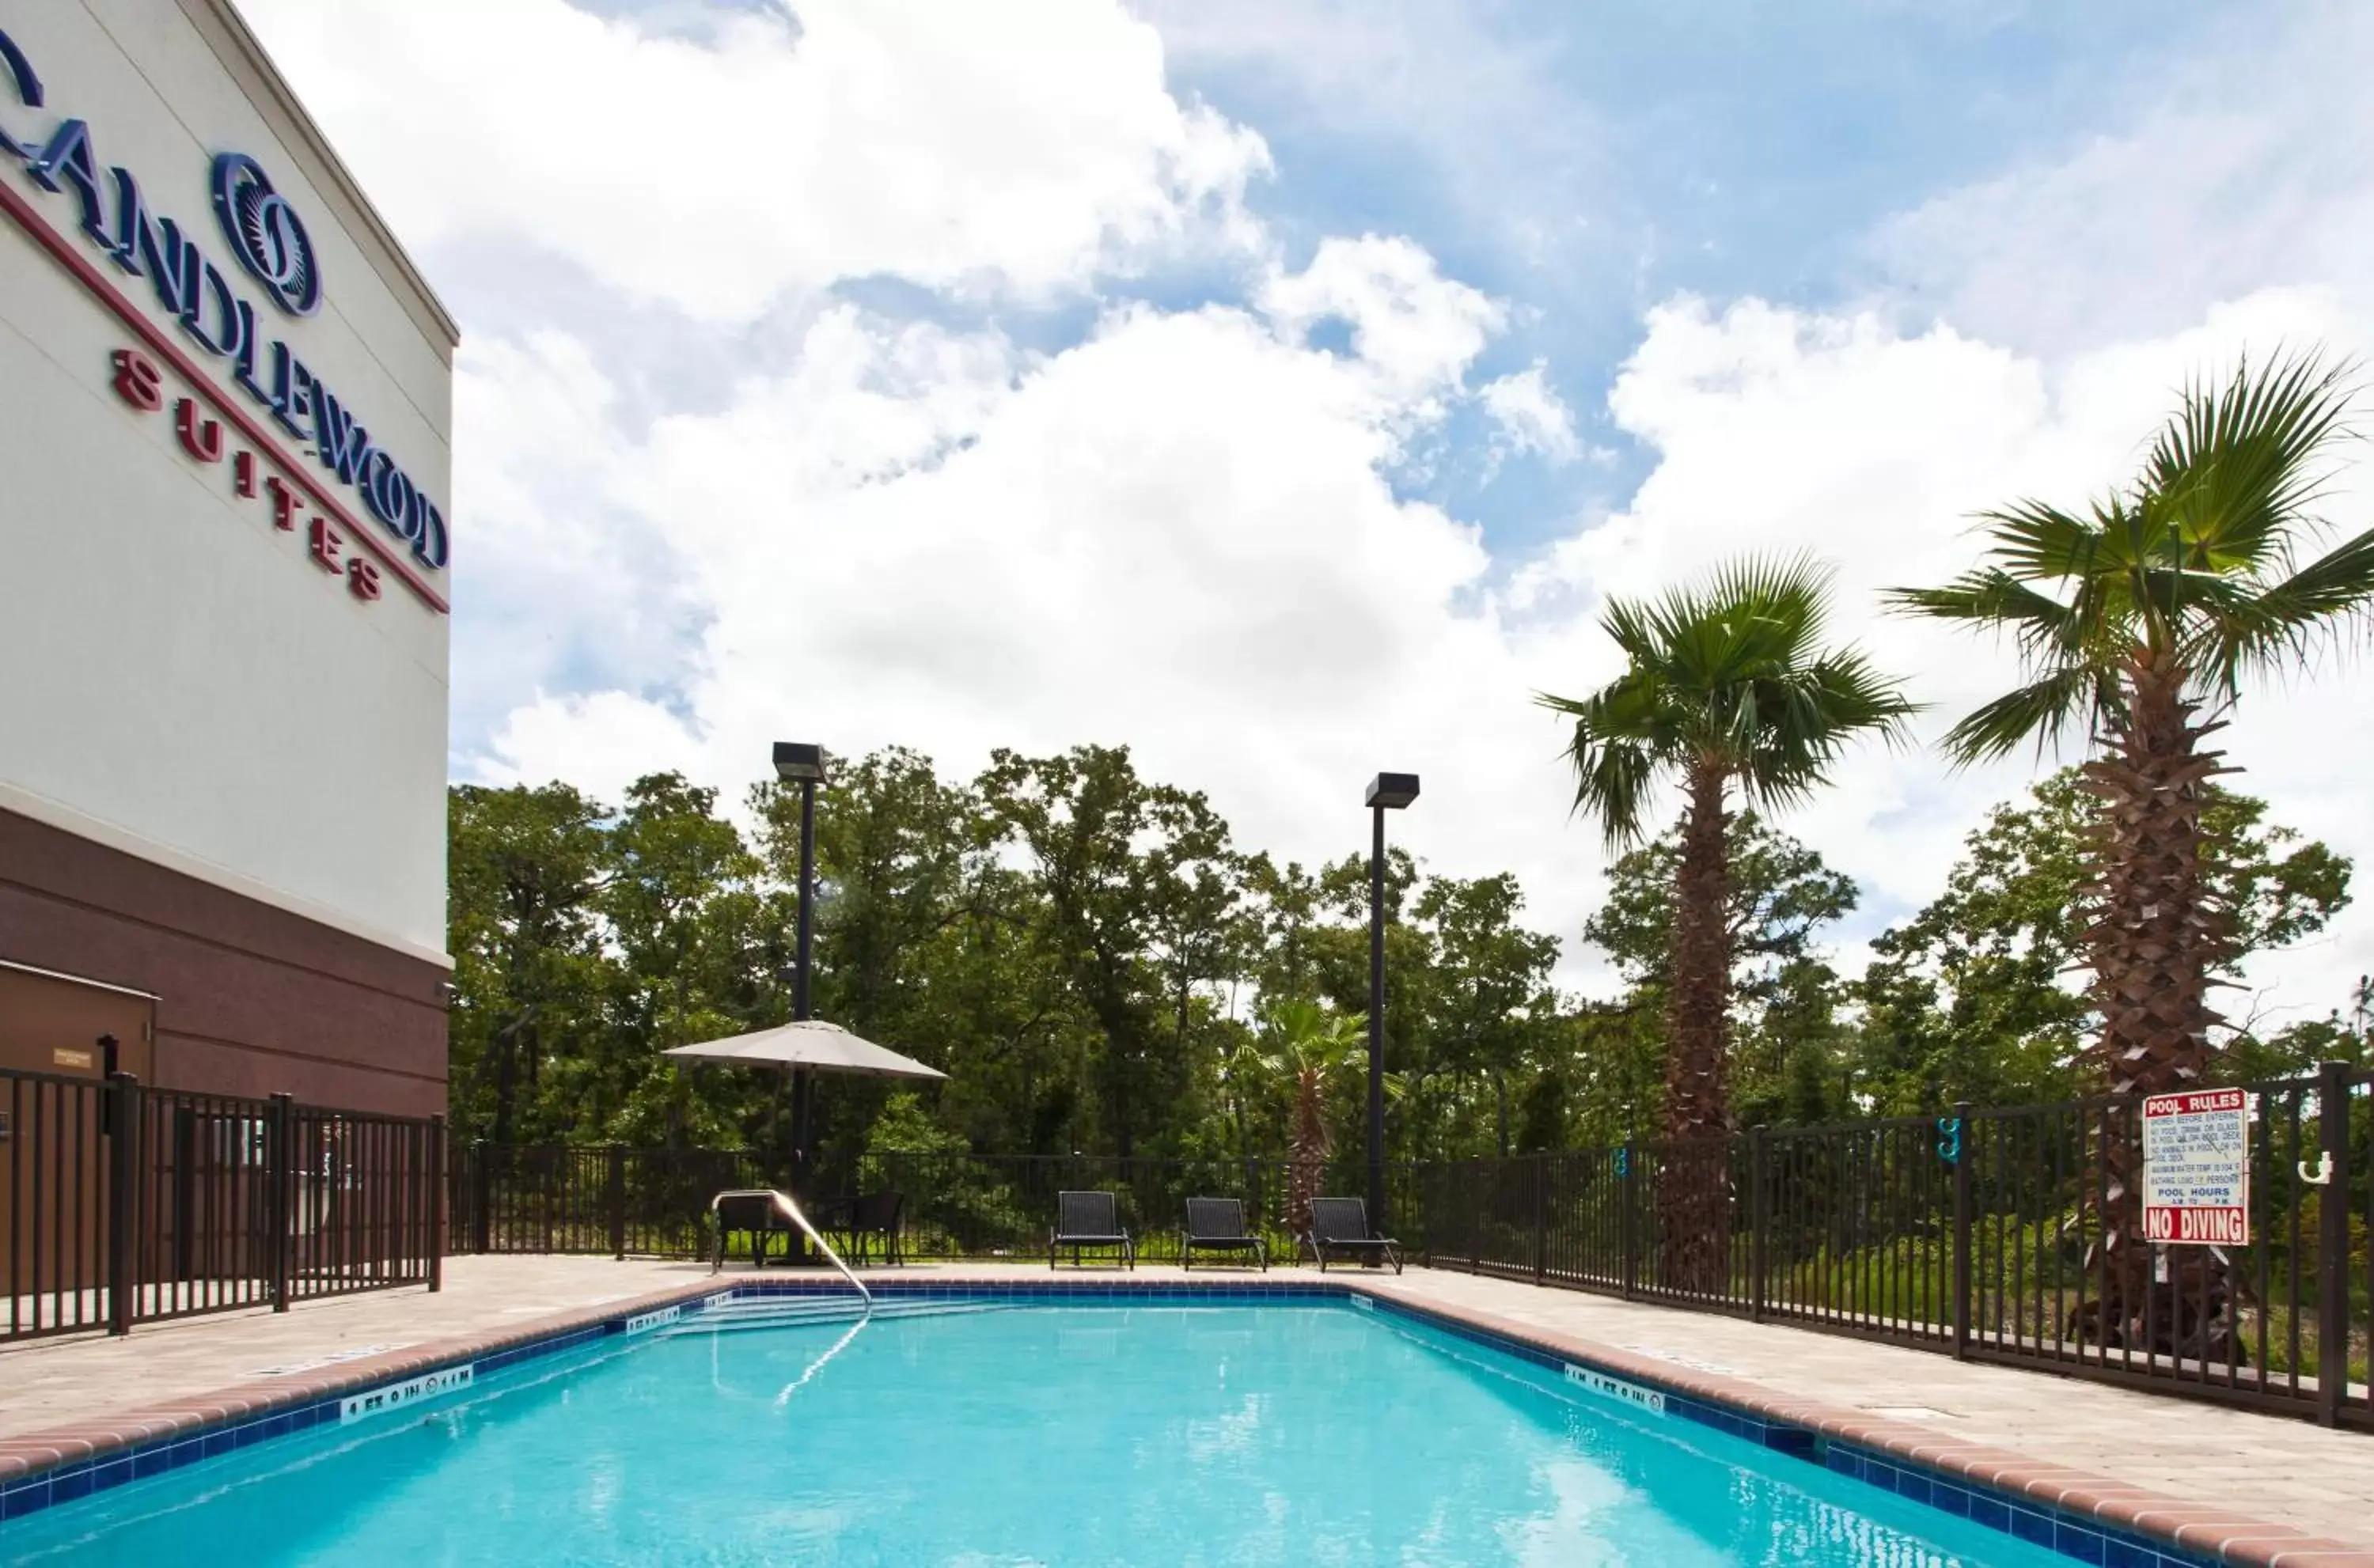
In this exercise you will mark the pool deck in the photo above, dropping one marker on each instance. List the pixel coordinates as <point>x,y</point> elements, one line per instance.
<point>2260,1489</point>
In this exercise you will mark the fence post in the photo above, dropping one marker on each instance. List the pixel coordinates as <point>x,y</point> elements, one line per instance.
<point>2333,1244</point>
<point>280,1192</point>
<point>1965,1149</point>
<point>1540,1218</point>
<point>616,1202</point>
<point>482,1192</point>
<point>123,1125</point>
<point>1755,1223</point>
<point>1625,1185</point>
<point>185,1193</point>
<point>440,1195</point>
<point>1477,1218</point>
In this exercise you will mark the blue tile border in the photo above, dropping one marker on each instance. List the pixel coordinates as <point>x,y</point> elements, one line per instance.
<point>2080,1538</point>
<point>74,1480</point>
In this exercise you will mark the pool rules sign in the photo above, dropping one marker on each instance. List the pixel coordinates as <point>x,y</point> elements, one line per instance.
<point>2197,1167</point>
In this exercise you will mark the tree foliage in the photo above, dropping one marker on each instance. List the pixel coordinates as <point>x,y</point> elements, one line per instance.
<point>1074,944</point>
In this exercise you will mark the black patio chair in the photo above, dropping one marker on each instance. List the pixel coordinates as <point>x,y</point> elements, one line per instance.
<point>1341,1224</point>
<point>1217,1224</point>
<point>754,1214</point>
<point>1089,1220</point>
<point>874,1216</point>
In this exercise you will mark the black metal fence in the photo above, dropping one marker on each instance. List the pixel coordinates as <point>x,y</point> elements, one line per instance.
<point>123,1204</point>
<point>2007,1236</point>
<point>654,1202</point>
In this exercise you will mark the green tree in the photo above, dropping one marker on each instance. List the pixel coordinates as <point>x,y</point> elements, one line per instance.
<point>690,928</point>
<point>1337,949</point>
<point>1198,925</point>
<point>1486,990</point>
<point>2138,624</point>
<point>1726,686</point>
<point>1970,1000</point>
<point>1305,1044</point>
<point>524,871</point>
<point>1779,894</point>
<point>1290,906</point>
<point>1122,868</point>
<point>895,846</point>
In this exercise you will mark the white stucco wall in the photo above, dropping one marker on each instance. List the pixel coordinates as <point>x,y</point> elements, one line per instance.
<point>177,676</point>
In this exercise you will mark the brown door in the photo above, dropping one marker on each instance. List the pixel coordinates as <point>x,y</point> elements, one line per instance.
<point>53,1192</point>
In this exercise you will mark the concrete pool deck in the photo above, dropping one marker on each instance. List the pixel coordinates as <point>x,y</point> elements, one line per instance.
<point>2263,1489</point>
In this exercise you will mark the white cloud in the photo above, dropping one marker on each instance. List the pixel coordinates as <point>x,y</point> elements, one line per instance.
<point>1019,146</point>
<point>1532,416</point>
<point>1470,100</point>
<point>1413,331</point>
<point>2246,172</point>
<point>1175,536</point>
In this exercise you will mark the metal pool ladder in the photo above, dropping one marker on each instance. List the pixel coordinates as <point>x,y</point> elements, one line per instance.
<point>786,1206</point>
<point>783,1311</point>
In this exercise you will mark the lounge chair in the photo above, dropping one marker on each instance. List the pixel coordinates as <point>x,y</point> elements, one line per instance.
<point>1086,1219</point>
<point>875,1215</point>
<point>1341,1224</point>
<point>1217,1224</point>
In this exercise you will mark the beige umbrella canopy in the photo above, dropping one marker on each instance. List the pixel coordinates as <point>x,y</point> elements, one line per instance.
<point>813,1046</point>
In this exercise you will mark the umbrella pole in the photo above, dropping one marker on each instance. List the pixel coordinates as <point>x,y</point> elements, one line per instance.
<point>779,1136</point>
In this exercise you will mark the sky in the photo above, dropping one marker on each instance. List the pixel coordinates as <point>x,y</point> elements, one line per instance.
<point>1282,387</point>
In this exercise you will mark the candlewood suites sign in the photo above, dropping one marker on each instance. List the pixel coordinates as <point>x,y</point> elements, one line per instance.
<point>267,241</point>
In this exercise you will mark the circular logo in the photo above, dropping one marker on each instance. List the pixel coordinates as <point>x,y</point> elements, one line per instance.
<point>266,233</point>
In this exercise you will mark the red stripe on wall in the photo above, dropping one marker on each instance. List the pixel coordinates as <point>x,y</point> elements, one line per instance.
<point>161,342</point>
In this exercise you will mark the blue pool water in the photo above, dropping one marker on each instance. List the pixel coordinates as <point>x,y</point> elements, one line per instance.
<point>1117,1436</point>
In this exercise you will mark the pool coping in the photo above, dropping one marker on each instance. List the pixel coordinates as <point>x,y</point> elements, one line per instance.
<point>1913,1460</point>
<point>2086,1516</point>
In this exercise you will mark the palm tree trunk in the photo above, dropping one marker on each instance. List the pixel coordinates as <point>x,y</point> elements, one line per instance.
<point>1694,1187</point>
<point>2155,935</point>
<point>1310,1144</point>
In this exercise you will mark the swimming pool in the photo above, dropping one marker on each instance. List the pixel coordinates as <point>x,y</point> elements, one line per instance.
<point>1130,1431</point>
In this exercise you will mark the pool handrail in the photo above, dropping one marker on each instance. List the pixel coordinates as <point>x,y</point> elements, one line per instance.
<point>789,1208</point>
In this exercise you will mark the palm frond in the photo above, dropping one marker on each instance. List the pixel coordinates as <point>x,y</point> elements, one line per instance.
<point>2043,710</point>
<point>2038,543</point>
<point>1809,715</point>
<point>1996,598</point>
<point>1728,671</point>
<point>2242,461</point>
<point>1614,764</point>
<point>2283,624</point>
<point>2189,567</point>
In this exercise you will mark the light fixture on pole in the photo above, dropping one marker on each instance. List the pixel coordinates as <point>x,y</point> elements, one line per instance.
<point>1387,791</point>
<point>804,765</point>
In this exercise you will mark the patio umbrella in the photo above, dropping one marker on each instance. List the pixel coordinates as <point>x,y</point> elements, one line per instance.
<point>809,1046</point>
<point>812,1045</point>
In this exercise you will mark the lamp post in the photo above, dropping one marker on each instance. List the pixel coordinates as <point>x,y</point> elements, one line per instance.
<point>1387,791</point>
<point>804,765</point>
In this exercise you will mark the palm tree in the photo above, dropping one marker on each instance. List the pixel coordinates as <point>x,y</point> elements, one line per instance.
<point>1725,684</point>
<point>1305,1044</point>
<point>2138,623</point>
